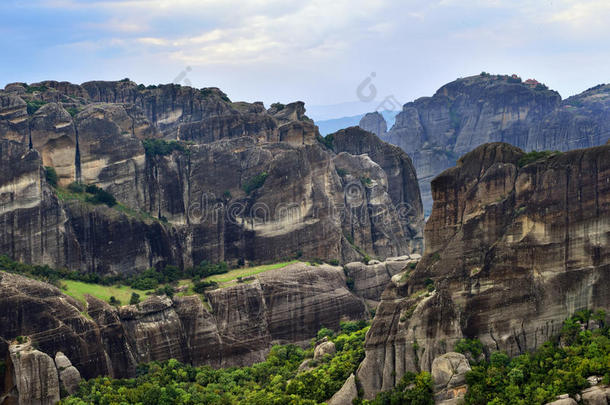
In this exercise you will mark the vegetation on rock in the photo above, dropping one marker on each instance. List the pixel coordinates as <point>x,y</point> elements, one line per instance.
<point>275,381</point>
<point>51,176</point>
<point>161,147</point>
<point>560,366</point>
<point>534,156</point>
<point>255,182</point>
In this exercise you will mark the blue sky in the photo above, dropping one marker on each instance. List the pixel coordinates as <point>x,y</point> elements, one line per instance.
<point>318,51</point>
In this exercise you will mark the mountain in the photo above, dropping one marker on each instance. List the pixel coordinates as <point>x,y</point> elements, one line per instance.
<point>196,176</point>
<point>435,131</point>
<point>515,244</point>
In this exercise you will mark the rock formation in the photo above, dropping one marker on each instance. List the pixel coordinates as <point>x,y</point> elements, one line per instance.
<point>287,305</point>
<point>242,183</point>
<point>449,376</point>
<point>402,182</point>
<point>512,249</point>
<point>375,123</point>
<point>31,377</point>
<point>471,111</point>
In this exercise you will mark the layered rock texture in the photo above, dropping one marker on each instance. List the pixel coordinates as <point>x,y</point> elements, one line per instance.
<point>197,176</point>
<point>237,326</point>
<point>512,249</point>
<point>471,111</point>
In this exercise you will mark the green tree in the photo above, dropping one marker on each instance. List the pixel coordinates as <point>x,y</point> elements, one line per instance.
<point>135,299</point>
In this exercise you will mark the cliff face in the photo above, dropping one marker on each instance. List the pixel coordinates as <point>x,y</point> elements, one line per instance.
<point>471,111</point>
<point>402,182</point>
<point>288,305</point>
<point>511,251</point>
<point>245,182</point>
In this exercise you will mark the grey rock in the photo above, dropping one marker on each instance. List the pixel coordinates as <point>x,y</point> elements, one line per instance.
<point>449,376</point>
<point>375,123</point>
<point>435,131</point>
<point>494,229</point>
<point>346,394</point>
<point>69,376</point>
<point>563,401</point>
<point>323,349</point>
<point>33,375</point>
<point>597,395</point>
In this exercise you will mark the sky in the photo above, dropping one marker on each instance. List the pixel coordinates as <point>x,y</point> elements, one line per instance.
<point>341,57</point>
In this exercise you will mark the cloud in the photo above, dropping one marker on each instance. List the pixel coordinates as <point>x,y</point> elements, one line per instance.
<point>309,48</point>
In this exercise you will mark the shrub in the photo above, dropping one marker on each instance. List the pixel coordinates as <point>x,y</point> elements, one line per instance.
<point>351,327</point>
<point>534,156</point>
<point>73,111</point>
<point>76,187</point>
<point>328,141</point>
<point>349,282</point>
<point>474,347</point>
<point>325,332</point>
<point>34,105</point>
<point>145,283</point>
<point>255,182</point>
<point>102,197</point>
<point>51,176</point>
<point>366,259</point>
<point>166,290</point>
<point>200,286</point>
<point>278,106</point>
<point>161,147</point>
<point>114,301</point>
<point>35,89</point>
<point>366,181</point>
<point>333,262</point>
<point>135,299</point>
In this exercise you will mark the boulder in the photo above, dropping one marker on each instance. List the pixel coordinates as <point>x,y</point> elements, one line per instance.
<point>449,370</point>
<point>69,376</point>
<point>323,349</point>
<point>597,395</point>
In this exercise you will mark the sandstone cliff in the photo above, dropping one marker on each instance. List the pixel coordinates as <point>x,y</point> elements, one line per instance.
<point>512,249</point>
<point>471,111</point>
<point>238,327</point>
<point>244,182</point>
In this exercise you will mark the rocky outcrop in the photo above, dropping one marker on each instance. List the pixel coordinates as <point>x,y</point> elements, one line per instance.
<point>347,393</point>
<point>31,377</point>
<point>69,376</point>
<point>511,251</point>
<point>402,182</point>
<point>374,123</point>
<point>471,111</point>
<point>235,326</point>
<point>369,280</point>
<point>325,348</point>
<point>449,376</point>
<point>250,183</point>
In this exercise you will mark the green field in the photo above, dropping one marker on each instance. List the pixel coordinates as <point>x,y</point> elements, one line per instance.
<point>78,289</point>
<point>227,279</point>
